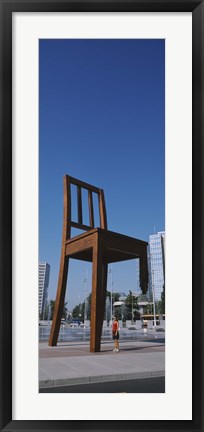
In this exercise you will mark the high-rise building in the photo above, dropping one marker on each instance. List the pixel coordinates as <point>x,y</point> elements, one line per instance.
<point>43,280</point>
<point>156,263</point>
<point>138,290</point>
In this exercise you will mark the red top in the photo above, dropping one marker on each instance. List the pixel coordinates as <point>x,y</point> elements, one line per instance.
<point>115,326</point>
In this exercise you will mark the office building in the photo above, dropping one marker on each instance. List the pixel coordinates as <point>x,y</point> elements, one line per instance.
<point>156,263</point>
<point>43,280</point>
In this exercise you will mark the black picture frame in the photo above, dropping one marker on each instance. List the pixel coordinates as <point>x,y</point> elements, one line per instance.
<point>7,8</point>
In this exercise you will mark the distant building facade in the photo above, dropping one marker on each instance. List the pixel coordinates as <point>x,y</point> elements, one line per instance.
<point>138,290</point>
<point>156,263</point>
<point>43,281</point>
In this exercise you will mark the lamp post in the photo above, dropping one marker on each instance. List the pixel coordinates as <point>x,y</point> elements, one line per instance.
<point>111,291</point>
<point>155,324</point>
<point>85,292</point>
<point>132,308</point>
<point>153,294</point>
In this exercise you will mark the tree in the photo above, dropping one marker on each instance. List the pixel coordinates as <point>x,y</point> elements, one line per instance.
<point>52,306</point>
<point>79,309</point>
<point>115,295</point>
<point>44,315</point>
<point>132,304</point>
<point>163,300</point>
<point>148,309</point>
<point>158,307</point>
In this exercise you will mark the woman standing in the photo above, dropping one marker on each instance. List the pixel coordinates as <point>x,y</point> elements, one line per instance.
<point>115,331</point>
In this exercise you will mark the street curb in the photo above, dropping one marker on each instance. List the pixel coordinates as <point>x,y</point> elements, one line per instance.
<point>99,378</point>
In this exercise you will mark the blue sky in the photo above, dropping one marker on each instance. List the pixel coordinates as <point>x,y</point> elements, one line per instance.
<point>102,120</point>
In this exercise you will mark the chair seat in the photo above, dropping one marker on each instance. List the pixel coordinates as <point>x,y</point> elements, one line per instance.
<point>115,247</point>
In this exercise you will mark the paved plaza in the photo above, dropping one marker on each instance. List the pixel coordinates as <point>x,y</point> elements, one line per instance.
<point>71,363</point>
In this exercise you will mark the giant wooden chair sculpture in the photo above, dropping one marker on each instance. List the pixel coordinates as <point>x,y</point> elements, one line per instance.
<point>99,246</point>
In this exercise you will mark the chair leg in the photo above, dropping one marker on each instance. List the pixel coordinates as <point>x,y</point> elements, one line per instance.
<point>59,302</point>
<point>99,283</point>
<point>144,272</point>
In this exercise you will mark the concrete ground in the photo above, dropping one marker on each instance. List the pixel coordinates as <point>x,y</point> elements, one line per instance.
<point>72,363</point>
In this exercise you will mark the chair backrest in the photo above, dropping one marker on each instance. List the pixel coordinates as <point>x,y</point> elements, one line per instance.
<point>80,185</point>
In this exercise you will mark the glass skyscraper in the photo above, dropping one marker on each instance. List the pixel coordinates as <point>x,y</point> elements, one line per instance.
<point>43,275</point>
<point>156,262</point>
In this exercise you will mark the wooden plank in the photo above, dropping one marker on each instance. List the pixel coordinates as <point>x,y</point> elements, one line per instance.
<point>144,272</point>
<point>59,301</point>
<point>64,261</point>
<point>66,233</point>
<point>79,202</point>
<point>84,185</point>
<point>122,243</point>
<point>91,211</point>
<point>80,245</point>
<point>99,277</point>
<point>112,256</point>
<point>102,210</point>
<point>108,233</point>
<point>80,226</point>
<point>85,255</point>
<point>82,235</point>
